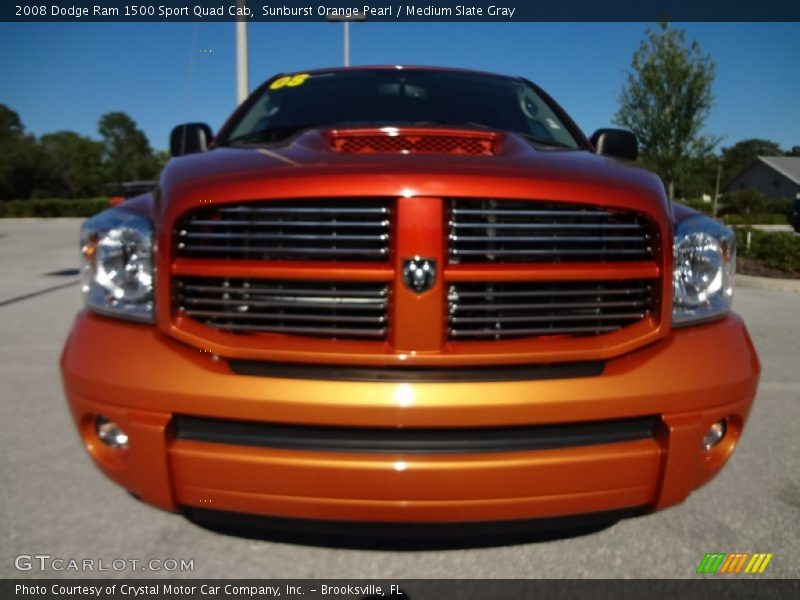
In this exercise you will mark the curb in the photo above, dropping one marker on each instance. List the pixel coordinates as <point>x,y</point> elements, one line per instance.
<point>768,283</point>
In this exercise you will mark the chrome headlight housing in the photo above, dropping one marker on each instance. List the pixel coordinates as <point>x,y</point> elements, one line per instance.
<point>117,265</point>
<point>705,265</point>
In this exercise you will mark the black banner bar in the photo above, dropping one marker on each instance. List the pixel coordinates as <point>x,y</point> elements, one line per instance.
<point>733,588</point>
<point>395,11</point>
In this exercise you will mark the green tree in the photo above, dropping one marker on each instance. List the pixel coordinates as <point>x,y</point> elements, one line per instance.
<point>160,160</point>
<point>126,151</point>
<point>665,101</point>
<point>72,165</point>
<point>697,177</point>
<point>10,124</point>
<point>738,156</point>
<point>19,159</point>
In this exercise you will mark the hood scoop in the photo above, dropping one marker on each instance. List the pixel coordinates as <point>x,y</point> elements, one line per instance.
<point>412,140</point>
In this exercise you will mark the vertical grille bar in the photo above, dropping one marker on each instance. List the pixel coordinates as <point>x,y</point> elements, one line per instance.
<point>418,315</point>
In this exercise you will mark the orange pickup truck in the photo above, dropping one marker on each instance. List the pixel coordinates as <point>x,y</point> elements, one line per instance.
<point>403,294</point>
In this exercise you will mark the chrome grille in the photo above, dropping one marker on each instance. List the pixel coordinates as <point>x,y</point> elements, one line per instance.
<point>519,309</point>
<point>350,230</point>
<point>515,231</point>
<point>311,308</point>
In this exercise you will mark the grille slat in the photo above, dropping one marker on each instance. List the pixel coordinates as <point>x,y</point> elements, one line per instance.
<point>297,208</point>
<point>552,293</point>
<point>551,238</point>
<point>278,252</point>
<point>492,254</point>
<point>516,212</point>
<point>248,300</point>
<point>545,318</point>
<point>322,318</point>
<point>290,224</point>
<point>297,292</point>
<point>549,305</point>
<point>520,309</point>
<point>546,226</point>
<point>284,236</point>
<point>529,331</point>
<point>498,231</point>
<point>310,308</point>
<point>311,331</point>
<point>326,230</point>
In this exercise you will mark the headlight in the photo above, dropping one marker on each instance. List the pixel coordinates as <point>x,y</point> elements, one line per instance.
<point>705,264</point>
<point>117,264</point>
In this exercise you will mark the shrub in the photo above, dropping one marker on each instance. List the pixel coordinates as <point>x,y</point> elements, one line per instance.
<point>780,206</point>
<point>53,207</point>
<point>747,201</point>
<point>778,250</point>
<point>773,212</point>
<point>761,219</point>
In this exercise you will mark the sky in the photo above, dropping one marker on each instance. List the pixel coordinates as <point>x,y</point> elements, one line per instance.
<point>64,76</point>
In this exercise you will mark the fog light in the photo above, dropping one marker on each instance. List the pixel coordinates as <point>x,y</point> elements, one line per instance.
<point>714,434</point>
<point>110,433</point>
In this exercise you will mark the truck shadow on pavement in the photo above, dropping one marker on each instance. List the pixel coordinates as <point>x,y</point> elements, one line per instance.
<point>403,536</point>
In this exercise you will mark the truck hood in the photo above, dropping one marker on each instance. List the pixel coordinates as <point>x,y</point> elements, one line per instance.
<point>320,153</point>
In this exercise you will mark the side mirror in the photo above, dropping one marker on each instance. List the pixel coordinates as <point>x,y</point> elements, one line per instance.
<point>616,143</point>
<point>190,138</point>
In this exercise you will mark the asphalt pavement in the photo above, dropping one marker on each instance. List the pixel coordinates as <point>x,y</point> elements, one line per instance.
<point>53,501</point>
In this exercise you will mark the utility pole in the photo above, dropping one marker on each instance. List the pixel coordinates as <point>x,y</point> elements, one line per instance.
<point>242,67</point>
<point>716,190</point>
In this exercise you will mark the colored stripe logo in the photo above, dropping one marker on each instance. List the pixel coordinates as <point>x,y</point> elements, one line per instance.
<point>719,563</point>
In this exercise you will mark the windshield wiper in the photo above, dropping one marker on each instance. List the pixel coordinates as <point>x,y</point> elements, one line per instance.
<point>544,141</point>
<point>272,134</point>
<point>452,123</point>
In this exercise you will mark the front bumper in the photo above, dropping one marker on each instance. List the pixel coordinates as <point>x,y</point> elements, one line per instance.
<point>141,379</point>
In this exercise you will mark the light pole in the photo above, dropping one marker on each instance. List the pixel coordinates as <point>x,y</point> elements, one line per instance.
<point>346,32</point>
<point>346,43</point>
<point>242,68</point>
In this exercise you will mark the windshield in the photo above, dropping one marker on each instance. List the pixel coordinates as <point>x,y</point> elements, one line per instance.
<point>399,97</point>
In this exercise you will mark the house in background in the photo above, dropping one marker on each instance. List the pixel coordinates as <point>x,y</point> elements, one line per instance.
<point>774,176</point>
